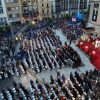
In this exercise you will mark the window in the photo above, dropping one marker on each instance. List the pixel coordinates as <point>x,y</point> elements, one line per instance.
<point>34,2</point>
<point>18,15</point>
<point>29,2</point>
<point>63,6</point>
<point>10,15</point>
<point>12,8</point>
<point>24,2</point>
<point>47,11</point>
<point>47,5</point>
<point>7,1</point>
<point>1,11</point>
<point>1,19</point>
<point>5,19</point>
<point>0,2</point>
<point>16,1</point>
<point>42,5</point>
<point>9,9</point>
<point>17,8</point>
<point>11,1</point>
<point>42,11</point>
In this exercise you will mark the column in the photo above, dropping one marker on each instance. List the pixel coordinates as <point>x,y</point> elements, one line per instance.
<point>68,7</point>
<point>78,6</point>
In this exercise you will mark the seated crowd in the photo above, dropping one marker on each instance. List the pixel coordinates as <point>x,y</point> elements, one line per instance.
<point>46,52</point>
<point>80,86</point>
<point>70,30</point>
<point>42,52</point>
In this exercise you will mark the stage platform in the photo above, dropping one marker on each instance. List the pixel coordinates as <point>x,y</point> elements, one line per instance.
<point>93,52</point>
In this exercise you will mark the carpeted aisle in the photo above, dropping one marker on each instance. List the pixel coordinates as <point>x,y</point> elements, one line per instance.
<point>95,60</point>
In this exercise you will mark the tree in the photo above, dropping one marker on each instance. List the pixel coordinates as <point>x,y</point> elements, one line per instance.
<point>50,20</point>
<point>7,28</point>
<point>73,13</point>
<point>66,16</point>
<point>27,22</point>
<point>1,30</point>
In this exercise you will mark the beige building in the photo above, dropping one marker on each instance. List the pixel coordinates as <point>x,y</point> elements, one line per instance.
<point>29,9</point>
<point>44,9</point>
<point>13,11</point>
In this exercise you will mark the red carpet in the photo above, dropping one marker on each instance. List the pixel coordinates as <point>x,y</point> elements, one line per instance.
<point>95,60</point>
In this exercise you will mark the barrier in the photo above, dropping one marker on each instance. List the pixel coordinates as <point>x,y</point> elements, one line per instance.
<point>14,32</point>
<point>33,75</point>
<point>43,26</point>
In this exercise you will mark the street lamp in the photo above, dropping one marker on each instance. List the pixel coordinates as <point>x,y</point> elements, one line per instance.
<point>16,38</point>
<point>33,22</point>
<point>12,26</point>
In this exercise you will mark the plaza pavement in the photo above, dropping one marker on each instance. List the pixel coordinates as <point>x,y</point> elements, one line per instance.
<point>46,74</point>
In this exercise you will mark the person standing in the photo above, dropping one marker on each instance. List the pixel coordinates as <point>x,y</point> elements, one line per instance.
<point>70,40</point>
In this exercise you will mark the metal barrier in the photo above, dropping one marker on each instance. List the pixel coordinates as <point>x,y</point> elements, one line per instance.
<point>34,75</point>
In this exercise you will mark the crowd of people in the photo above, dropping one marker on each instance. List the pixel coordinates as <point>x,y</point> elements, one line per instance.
<point>72,31</point>
<point>80,86</point>
<point>46,52</point>
<point>42,52</point>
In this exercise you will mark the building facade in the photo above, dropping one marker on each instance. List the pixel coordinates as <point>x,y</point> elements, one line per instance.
<point>58,8</point>
<point>29,9</point>
<point>44,9</point>
<point>64,7</point>
<point>13,11</point>
<point>3,15</point>
<point>73,6</point>
<point>53,8</point>
<point>94,15</point>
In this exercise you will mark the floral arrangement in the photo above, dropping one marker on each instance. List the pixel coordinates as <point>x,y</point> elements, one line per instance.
<point>94,52</point>
<point>81,42</point>
<point>76,43</point>
<point>86,46</point>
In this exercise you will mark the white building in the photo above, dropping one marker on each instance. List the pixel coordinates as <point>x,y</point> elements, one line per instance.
<point>53,8</point>
<point>94,16</point>
<point>3,14</point>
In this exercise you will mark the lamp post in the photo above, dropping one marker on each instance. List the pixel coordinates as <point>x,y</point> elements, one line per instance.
<point>12,27</point>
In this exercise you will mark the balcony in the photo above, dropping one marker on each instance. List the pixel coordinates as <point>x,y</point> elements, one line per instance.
<point>75,8</point>
<point>43,7</point>
<point>48,13</point>
<point>43,14</point>
<point>48,6</point>
<point>34,3</point>
<point>82,7</point>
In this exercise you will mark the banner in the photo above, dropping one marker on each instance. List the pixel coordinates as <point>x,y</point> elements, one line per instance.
<point>73,19</point>
<point>95,12</point>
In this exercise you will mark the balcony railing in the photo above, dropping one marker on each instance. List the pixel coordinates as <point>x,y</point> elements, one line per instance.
<point>43,14</point>
<point>48,13</point>
<point>43,7</point>
<point>82,7</point>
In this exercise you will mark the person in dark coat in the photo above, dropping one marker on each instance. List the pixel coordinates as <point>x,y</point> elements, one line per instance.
<point>70,40</point>
<point>40,68</point>
<point>52,80</point>
<point>71,77</point>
